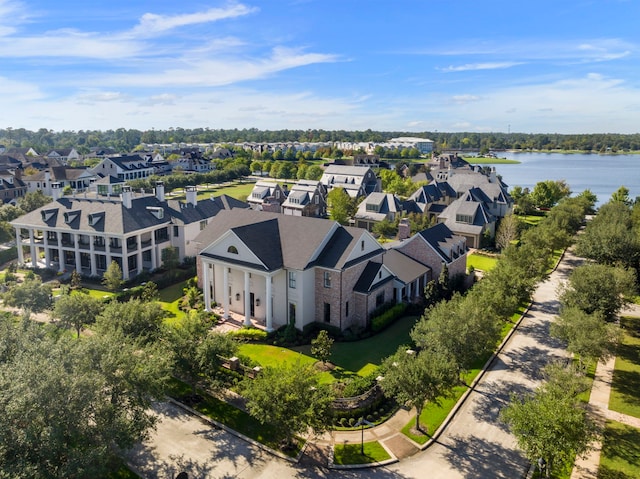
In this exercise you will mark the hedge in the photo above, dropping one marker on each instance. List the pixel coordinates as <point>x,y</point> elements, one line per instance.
<point>378,323</point>
<point>253,334</point>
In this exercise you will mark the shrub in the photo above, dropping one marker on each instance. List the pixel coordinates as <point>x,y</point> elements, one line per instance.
<point>378,323</point>
<point>252,334</point>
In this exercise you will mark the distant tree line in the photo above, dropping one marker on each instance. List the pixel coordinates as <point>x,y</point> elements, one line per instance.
<point>124,140</point>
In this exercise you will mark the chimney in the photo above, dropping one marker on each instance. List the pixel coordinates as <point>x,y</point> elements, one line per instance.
<point>192,195</point>
<point>493,178</point>
<point>404,229</point>
<point>160,190</point>
<point>47,176</point>
<point>126,196</point>
<point>56,191</point>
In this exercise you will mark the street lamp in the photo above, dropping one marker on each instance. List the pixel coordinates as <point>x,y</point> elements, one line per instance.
<point>361,422</point>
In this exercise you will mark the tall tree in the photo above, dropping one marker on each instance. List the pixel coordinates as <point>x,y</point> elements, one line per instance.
<point>507,231</point>
<point>33,200</point>
<point>77,310</point>
<point>415,378</point>
<point>31,295</point>
<point>588,336</point>
<point>112,277</point>
<point>302,402</point>
<point>134,319</point>
<point>585,289</point>
<point>341,206</point>
<point>70,406</point>
<point>551,424</point>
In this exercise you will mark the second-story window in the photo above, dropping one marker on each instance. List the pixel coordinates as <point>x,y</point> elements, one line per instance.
<point>327,279</point>
<point>292,279</point>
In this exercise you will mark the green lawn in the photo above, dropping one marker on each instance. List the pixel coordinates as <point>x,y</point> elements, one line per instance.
<point>481,262</point>
<point>170,299</point>
<point>620,452</point>
<point>350,358</point>
<point>344,454</point>
<point>531,220</point>
<point>625,390</point>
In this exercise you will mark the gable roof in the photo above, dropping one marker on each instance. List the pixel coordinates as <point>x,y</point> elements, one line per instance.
<point>367,280</point>
<point>442,240</point>
<point>403,267</point>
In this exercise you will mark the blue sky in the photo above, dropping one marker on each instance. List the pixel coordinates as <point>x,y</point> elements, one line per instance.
<point>562,66</point>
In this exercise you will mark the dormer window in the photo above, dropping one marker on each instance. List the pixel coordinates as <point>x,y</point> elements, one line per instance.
<point>94,218</point>
<point>48,214</point>
<point>71,216</point>
<point>232,249</point>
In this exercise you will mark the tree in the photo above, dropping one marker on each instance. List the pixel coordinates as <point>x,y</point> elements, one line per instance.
<point>33,200</point>
<point>150,292</point>
<point>621,195</point>
<point>598,288</point>
<point>70,406</point>
<point>341,206</point>
<point>76,310</point>
<point>314,172</point>
<point>302,402</point>
<point>76,279</point>
<point>547,193</point>
<point>112,277</point>
<point>170,258</point>
<point>588,336</point>
<point>321,346</point>
<point>414,378</point>
<point>31,296</point>
<point>508,230</point>
<point>185,338</point>
<point>256,166</point>
<point>134,319</point>
<point>461,328</point>
<point>551,424</point>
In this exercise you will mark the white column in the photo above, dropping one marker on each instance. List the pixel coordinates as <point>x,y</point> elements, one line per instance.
<point>92,256</point>
<point>32,249</point>
<point>247,305</point>
<point>417,288</point>
<point>139,241</point>
<point>76,248</point>
<point>399,295</point>
<point>154,263</point>
<point>19,246</point>
<point>47,255</point>
<point>205,285</point>
<point>225,292</point>
<point>60,253</point>
<point>269,306</point>
<point>125,260</point>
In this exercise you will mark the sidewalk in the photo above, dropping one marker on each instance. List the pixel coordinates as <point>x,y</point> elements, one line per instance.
<point>587,467</point>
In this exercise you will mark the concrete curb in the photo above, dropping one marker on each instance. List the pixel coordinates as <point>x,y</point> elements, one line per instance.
<point>239,434</point>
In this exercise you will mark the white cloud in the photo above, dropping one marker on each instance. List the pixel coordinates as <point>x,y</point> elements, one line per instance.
<point>480,66</point>
<point>462,99</point>
<point>153,24</point>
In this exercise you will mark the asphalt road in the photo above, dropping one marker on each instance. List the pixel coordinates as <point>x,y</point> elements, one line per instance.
<point>474,445</point>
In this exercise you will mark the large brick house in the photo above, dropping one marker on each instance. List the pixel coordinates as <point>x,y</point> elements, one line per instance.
<point>279,269</point>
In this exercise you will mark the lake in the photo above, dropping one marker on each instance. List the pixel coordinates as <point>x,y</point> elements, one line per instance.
<point>602,174</point>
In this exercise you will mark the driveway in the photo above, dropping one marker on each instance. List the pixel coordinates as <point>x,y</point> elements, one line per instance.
<point>474,445</point>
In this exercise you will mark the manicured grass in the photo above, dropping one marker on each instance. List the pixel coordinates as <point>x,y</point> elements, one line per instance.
<point>433,415</point>
<point>350,358</point>
<point>344,454</point>
<point>481,262</point>
<point>364,356</point>
<point>99,294</point>
<point>531,220</point>
<point>230,416</point>
<point>625,390</point>
<point>620,452</point>
<point>170,299</point>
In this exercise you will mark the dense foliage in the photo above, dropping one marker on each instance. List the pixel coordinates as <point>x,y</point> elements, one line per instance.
<point>124,140</point>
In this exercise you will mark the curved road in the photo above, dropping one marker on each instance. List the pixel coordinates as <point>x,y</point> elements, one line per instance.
<point>474,445</point>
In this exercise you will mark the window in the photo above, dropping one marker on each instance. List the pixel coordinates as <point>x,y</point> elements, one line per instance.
<point>380,299</point>
<point>346,309</point>
<point>468,219</point>
<point>292,279</point>
<point>371,207</point>
<point>203,224</point>
<point>176,232</point>
<point>327,279</point>
<point>232,249</point>
<point>362,245</point>
<point>327,312</point>
<point>292,313</point>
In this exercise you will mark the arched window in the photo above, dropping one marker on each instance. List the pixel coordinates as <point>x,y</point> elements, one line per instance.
<point>232,249</point>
